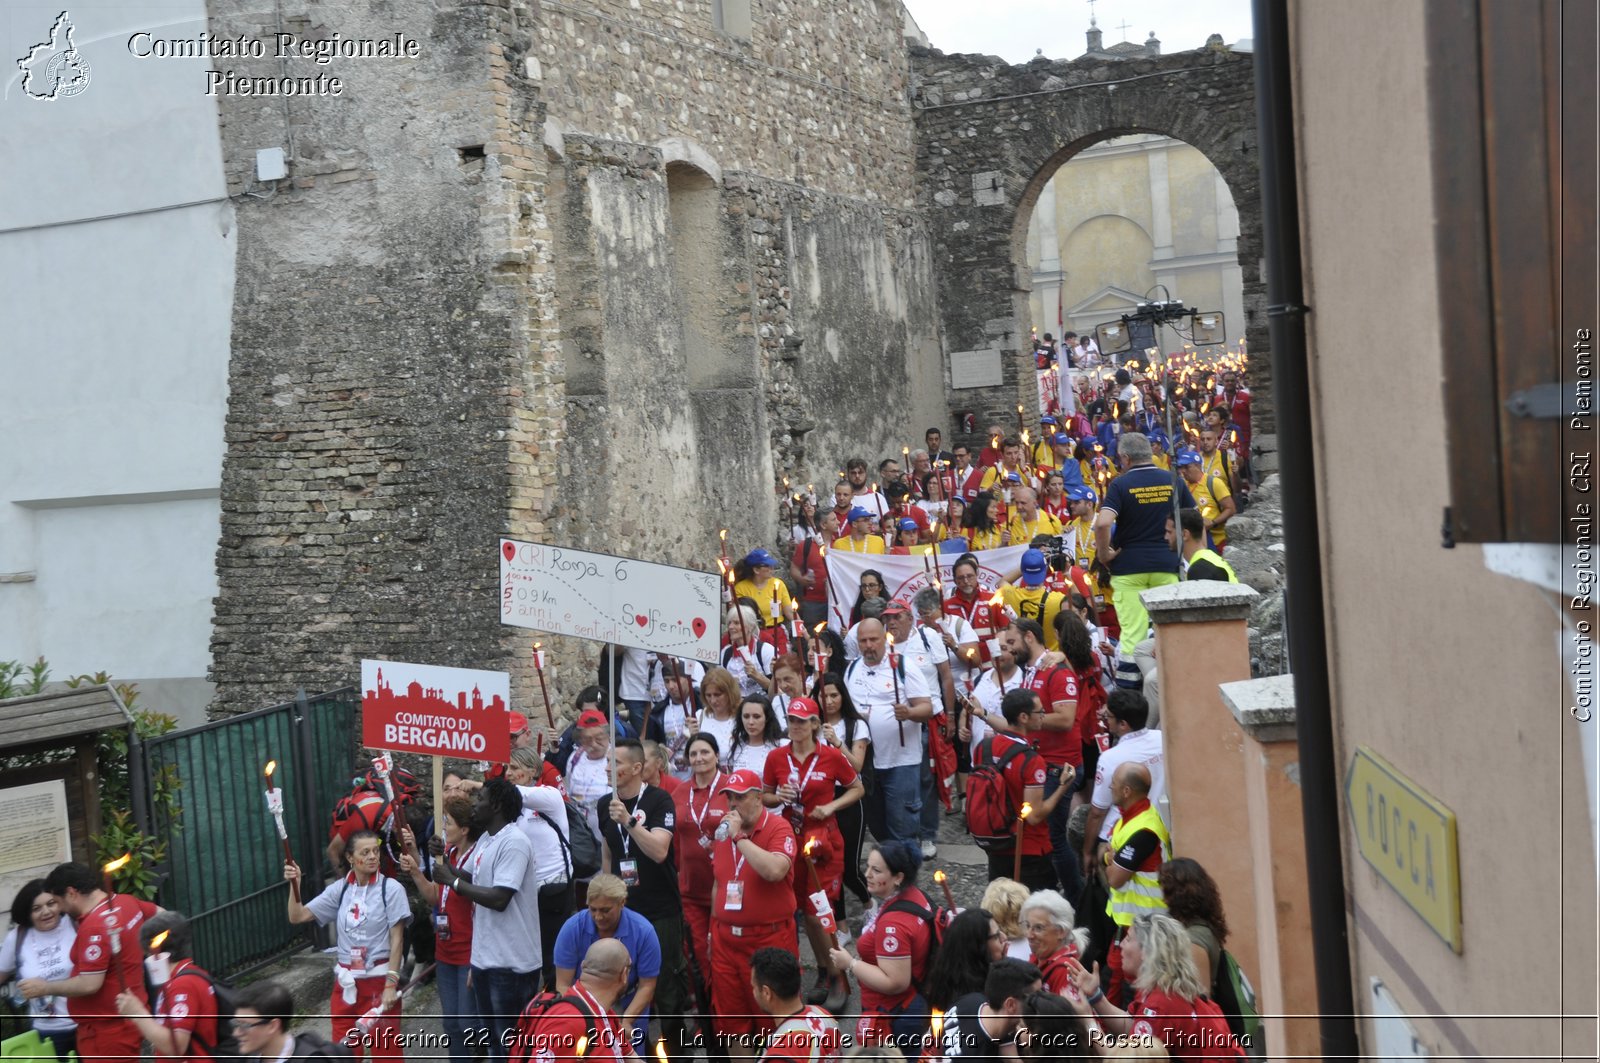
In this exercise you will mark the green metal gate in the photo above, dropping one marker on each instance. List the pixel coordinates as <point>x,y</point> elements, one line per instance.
<point>224,858</point>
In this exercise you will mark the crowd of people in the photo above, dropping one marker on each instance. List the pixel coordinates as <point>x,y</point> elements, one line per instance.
<point>640,881</point>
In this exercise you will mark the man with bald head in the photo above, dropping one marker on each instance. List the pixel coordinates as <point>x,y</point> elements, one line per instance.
<point>586,1010</point>
<point>1139,846</point>
<point>896,703</point>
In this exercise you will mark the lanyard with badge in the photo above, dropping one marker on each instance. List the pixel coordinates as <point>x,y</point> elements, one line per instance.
<point>733,900</point>
<point>700,817</point>
<point>629,869</point>
<point>355,915</point>
<point>800,781</point>
<point>441,917</point>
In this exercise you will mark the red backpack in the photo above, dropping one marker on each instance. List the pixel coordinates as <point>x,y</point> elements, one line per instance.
<point>528,1045</point>
<point>991,810</point>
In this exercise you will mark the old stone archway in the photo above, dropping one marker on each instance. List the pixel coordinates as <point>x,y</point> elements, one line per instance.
<point>989,137</point>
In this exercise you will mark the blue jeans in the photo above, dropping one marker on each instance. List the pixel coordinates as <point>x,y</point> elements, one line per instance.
<point>458,1011</point>
<point>502,994</point>
<point>1063,855</point>
<point>900,792</point>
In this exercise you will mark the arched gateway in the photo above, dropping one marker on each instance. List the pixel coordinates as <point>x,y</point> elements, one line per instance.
<point>989,137</point>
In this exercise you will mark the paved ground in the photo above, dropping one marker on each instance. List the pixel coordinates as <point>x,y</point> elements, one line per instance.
<point>964,863</point>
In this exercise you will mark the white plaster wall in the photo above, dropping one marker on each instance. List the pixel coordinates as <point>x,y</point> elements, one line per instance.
<point>116,257</point>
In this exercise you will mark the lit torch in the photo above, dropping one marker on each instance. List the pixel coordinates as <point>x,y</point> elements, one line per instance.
<point>820,905</point>
<point>112,868</point>
<point>661,1049</point>
<point>583,1046</point>
<point>1016,859</point>
<point>817,657</point>
<point>936,1024</point>
<point>115,932</point>
<point>275,809</point>
<point>944,883</point>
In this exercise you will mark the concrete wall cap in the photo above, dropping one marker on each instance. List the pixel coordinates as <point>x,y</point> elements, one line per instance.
<point>1201,600</point>
<point>1264,707</point>
<point>682,149</point>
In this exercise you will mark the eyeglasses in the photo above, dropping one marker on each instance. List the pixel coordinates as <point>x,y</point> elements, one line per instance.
<point>246,1024</point>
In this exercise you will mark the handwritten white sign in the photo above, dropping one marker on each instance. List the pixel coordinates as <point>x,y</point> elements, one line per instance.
<point>610,599</point>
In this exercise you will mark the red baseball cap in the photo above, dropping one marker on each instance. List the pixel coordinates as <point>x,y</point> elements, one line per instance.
<point>742,781</point>
<point>519,723</point>
<point>593,718</point>
<point>803,708</point>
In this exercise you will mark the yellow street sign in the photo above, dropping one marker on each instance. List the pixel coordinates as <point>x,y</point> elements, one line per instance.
<point>1409,838</point>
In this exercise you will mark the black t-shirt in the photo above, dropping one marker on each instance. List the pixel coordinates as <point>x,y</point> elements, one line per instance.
<point>652,887</point>
<point>964,1036</point>
<point>1142,500</point>
<point>1204,569</point>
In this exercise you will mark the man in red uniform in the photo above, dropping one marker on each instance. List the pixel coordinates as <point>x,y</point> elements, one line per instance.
<point>105,959</point>
<point>809,567</point>
<point>971,604</point>
<point>752,906</point>
<point>805,1033</point>
<point>184,1025</point>
<point>1059,740</point>
<point>1024,774</point>
<point>584,1011</point>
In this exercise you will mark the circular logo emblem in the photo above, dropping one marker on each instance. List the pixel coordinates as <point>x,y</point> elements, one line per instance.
<point>180,1010</point>
<point>1142,1028</point>
<point>92,953</point>
<point>67,74</point>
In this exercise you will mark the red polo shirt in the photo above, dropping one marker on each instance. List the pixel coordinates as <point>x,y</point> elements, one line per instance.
<point>91,954</point>
<point>1057,747</point>
<point>763,902</point>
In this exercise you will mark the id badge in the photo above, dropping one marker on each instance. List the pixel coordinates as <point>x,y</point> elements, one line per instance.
<point>630,872</point>
<point>358,958</point>
<point>735,899</point>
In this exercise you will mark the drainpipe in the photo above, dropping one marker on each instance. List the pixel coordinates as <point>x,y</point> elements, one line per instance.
<point>1303,599</point>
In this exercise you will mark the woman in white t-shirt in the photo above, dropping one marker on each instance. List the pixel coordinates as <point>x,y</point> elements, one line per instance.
<point>39,945</point>
<point>719,707</point>
<point>758,735</point>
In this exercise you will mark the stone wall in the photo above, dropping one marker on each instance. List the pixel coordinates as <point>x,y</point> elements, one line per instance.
<point>989,137</point>
<point>391,387</point>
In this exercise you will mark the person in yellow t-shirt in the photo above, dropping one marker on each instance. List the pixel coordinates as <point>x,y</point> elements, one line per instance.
<point>1160,449</point>
<point>1211,496</point>
<point>996,476</point>
<point>1214,460</point>
<point>756,580</point>
<point>1027,519</point>
<point>1079,529</point>
<point>1032,600</point>
<point>984,530</point>
<point>1042,456</point>
<point>861,539</point>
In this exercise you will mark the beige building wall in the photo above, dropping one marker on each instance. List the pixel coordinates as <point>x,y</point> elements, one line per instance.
<point>1124,216</point>
<point>1449,671</point>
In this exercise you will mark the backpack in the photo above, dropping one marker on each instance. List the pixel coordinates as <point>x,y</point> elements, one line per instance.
<point>937,918</point>
<point>577,841</point>
<point>1236,998</point>
<point>227,1046</point>
<point>359,806</point>
<point>526,1047</point>
<point>308,1044</point>
<point>1214,1030</point>
<point>991,811</point>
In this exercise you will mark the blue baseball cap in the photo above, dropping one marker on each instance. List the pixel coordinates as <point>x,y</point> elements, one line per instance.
<point>907,524</point>
<point>1080,494</point>
<point>1061,437</point>
<point>760,558</point>
<point>1047,419</point>
<point>1159,435</point>
<point>1188,457</point>
<point>1033,567</point>
<point>859,513</point>
<point>1013,477</point>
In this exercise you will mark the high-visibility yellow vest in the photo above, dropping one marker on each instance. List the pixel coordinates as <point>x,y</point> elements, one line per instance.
<point>1142,892</point>
<point>1216,559</point>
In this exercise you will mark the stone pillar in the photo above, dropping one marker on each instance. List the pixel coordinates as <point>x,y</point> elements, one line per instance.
<point>1201,643</point>
<point>1285,984</point>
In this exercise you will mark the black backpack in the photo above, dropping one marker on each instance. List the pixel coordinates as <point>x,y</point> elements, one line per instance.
<point>308,1044</point>
<point>227,1046</point>
<point>526,1047</point>
<point>577,840</point>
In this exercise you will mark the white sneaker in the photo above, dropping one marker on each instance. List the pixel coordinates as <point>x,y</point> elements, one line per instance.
<point>929,850</point>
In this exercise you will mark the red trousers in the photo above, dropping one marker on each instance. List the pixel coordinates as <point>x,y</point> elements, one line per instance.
<point>108,1041</point>
<point>731,949</point>
<point>384,1041</point>
<point>697,925</point>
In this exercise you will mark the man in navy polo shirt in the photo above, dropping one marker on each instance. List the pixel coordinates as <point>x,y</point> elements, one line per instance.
<point>1130,535</point>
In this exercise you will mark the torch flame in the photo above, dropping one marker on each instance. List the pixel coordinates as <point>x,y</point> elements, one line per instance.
<point>723,535</point>
<point>536,646</point>
<point>583,1045</point>
<point>271,767</point>
<point>939,876</point>
<point>818,629</point>
<point>937,1023</point>
<point>809,848</point>
<point>998,600</point>
<point>155,942</point>
<point>1027,810</point>
<point>661,1049</point>
<point>118,864</point>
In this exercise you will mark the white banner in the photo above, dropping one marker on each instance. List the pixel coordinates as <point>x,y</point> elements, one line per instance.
<point>904,576</point>
<point>610,599</point>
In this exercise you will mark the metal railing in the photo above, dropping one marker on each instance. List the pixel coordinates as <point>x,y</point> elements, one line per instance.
<point>224,865</point>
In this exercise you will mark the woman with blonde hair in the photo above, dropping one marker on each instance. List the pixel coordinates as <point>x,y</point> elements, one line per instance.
<point>1003,898</point>
<point>1169,999</point>
<point>719,710</point>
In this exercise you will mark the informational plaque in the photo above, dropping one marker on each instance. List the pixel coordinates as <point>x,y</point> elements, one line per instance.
<point>975,369</point>
<point>34,835</point>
